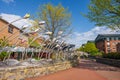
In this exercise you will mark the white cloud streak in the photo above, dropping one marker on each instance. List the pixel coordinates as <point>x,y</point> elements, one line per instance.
<point>80,38</point>
<point>8,1</point>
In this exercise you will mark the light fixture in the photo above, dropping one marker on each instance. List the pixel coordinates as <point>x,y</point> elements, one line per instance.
<point>24,27</point>
<point>41,22</point>
<point>37,30</point>
<point>26,16</point>
<point>57,45</point>
<point>60,32</point>
<point>54,39</point>
<point>48,33</point>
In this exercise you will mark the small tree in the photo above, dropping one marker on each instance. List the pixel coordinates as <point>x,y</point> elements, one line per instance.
<point>4,42</point>
<point>89,48</point>
<point>32,43</point>
<point>3,55</point>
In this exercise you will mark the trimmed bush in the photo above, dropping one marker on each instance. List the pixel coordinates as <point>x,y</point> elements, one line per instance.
<point>112,55</point>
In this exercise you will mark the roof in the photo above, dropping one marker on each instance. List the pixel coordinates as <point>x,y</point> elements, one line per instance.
<point>92,41</point>
<point>108,35</point>
<point>101,36</point>
<point>8,23</point>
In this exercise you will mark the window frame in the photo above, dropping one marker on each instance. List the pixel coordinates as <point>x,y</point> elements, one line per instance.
<point>10,29</point>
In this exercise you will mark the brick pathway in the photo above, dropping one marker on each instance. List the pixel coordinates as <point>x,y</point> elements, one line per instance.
<point>92,65</point>
<point>87,70</point>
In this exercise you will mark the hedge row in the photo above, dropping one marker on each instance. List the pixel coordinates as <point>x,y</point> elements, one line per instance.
<point>112,55</point>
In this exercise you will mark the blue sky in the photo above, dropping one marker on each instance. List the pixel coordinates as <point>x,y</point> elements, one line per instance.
<point>20,7</point>
<point>83,31</point>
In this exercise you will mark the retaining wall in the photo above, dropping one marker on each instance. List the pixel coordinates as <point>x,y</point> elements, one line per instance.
<point>22,72</point>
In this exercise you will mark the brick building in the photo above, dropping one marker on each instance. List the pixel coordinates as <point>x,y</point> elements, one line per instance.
<point>118,47</point>
<point>15,37</point>
<point>108,42</point>
<point>12,33</point>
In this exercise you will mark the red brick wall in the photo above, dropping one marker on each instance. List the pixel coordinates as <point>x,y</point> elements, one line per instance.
<point>118,47</point>
<point>114,45</point>
<point>4,32</point>
<point>102,46</point>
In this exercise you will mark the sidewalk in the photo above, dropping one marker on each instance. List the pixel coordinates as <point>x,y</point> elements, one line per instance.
<point>87,70</point>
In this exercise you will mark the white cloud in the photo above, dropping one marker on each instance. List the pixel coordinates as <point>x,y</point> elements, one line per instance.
<point>8,1</point>
<point>80,38</point>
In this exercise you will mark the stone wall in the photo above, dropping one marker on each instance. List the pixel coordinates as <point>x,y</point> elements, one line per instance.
<point>22,72</point>
<point>112,62</point>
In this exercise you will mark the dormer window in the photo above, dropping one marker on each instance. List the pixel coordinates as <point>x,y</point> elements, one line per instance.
<point>10,29</point>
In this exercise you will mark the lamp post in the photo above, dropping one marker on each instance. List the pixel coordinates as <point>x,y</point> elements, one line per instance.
<point>59,36</point>
<point>30,44</point>
<point>59,49</point>
<point>50,46</point>
<point>83,46</point>
<point>37,31</point>
<point>46,33</point>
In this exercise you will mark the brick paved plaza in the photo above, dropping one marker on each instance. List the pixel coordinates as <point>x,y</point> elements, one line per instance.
<point>87,70</point>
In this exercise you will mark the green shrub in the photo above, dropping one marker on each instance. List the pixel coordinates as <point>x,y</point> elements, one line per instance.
<point>112,55</point>
<point>97,54</point>
<point>3,54</point>
<point>36,58</point>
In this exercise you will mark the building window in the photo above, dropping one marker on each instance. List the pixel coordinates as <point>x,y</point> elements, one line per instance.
<point>108,39</point>
<point>113,38</point>
<point>108,47</point>
<point>116,38</point>
<point>104,39</point>
<point>114,48</point>
<point>10,29</point>
<point>109,51</point>
<point>119,38</point>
